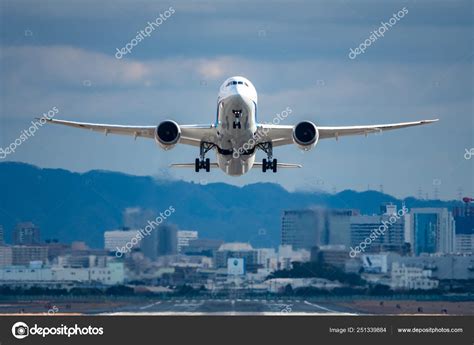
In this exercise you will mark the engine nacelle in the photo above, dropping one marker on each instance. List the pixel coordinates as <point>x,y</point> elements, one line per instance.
<point>305,135</point>
<point>167,134</point>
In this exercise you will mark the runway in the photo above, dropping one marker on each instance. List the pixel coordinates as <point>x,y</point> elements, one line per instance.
<point>232,307</point>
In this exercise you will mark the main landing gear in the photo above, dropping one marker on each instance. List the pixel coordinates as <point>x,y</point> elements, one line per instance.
<point>202,162</point>
<point>268,163</point>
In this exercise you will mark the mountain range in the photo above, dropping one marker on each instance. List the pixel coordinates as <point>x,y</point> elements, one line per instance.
<point>71,206</point>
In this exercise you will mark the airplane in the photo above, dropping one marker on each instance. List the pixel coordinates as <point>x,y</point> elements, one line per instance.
<point>236,135</point>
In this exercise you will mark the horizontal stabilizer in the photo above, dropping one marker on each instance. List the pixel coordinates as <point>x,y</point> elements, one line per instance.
<point>190,165</point>
<point>280,165</point>
<point>255,165</point>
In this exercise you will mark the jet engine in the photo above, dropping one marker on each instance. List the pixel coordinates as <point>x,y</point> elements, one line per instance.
<point>305,135</point>
<point>167,134</point>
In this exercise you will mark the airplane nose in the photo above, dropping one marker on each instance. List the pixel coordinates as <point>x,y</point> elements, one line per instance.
<point>238,98</point>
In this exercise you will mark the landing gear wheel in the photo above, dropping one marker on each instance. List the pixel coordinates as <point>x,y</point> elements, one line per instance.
<point>202,162</point>
<point>268,163</point>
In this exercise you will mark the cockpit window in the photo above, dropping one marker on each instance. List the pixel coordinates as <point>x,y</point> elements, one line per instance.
<point>237,83</point>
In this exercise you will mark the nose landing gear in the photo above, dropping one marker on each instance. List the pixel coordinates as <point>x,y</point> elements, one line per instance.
<point>236,123</point>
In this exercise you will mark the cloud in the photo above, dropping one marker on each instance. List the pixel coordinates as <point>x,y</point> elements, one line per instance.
<point>68,65</point>
<point>59,72</point>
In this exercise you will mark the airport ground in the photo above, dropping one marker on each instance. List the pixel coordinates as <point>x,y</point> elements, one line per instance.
<point>233,306</point>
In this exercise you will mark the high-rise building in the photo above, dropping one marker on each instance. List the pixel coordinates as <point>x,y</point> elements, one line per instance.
<point>464,220</point>
<point>6,258</point>
<point>464,243</point>
<point>26,234</point>
<point>184,237</point>
<point>167,239</point>
<point>237,251</point>
<point>464,211</point>
<point>202,247</point>
<point>287,255</point>
<point>335,255</point>
<point>23,255</point>
<point>304,229</point>
<point>115,240</point>
<point>162,241</point>
<point>267,258</point>
<point>385,232</point>
<point>432,230</point>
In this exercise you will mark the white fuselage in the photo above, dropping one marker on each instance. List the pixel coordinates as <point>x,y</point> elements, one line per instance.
<point>236,125</point>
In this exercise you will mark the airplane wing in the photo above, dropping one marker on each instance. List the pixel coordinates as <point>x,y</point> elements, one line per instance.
<point>190,134</point>
<point>335,132</point>
<point>283,134</point>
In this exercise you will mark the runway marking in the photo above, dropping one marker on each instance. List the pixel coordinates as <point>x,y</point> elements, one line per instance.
<point>318,306</point>
<point>149,306</point>
<point>195,313</point>
<point>327,309</point>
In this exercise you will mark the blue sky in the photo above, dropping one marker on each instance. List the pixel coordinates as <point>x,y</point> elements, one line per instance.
<point>61,54</point>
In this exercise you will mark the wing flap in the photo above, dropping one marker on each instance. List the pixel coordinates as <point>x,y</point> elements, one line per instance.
<point>336,132</point>
<point>136,131</point>
<point>190,134</point>
<point>283,135</point>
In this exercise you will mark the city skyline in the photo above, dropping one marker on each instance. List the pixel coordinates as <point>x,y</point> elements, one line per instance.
<point>303,228</point>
